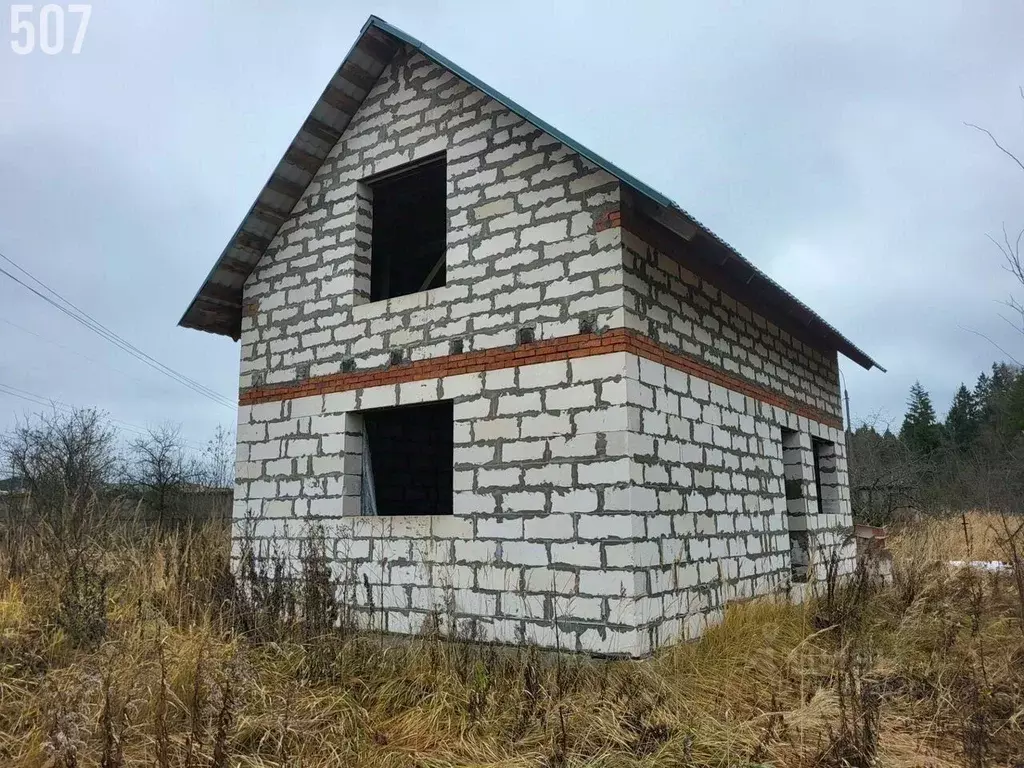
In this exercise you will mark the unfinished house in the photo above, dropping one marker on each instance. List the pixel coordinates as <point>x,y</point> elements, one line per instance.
<point>514,384</point>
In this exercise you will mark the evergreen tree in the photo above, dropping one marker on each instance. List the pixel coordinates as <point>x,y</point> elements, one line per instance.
<point>920,432</point>
<point>975,460</point>
<point>962,420</point>
<point>1015,406</point>
<point>981,395</point>
<point>992,393</point>
<point>999,402</point>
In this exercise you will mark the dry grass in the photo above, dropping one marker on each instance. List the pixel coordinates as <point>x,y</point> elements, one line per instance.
<point>927,672</point>
<point>974,536</point>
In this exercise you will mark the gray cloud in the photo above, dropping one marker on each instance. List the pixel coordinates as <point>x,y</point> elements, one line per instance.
<point>826,143</point>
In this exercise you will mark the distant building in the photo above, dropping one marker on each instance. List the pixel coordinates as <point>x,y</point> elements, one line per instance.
<point>513,381</point>
<point>11,485</point>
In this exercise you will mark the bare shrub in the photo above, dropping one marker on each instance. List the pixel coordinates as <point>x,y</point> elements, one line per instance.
<point>160,469</point>
<point>63,458</point>
<point>82,609</point>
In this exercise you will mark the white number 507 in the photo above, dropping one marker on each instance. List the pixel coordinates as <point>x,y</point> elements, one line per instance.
<point>50,35</point>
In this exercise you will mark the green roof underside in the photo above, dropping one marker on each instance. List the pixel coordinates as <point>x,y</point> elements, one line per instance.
<point>217,307</point>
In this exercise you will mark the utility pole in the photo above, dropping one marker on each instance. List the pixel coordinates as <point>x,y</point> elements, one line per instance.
<point>849,424</point>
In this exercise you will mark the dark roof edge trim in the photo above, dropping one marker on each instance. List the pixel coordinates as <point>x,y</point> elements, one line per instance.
<point>185,322</point>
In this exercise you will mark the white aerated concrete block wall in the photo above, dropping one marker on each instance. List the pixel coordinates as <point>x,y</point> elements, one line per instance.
<point>604,504</point>
<point>539,547</point>
<point>616,521</point>
<point>708,484</point>
<point>522,246</point>
<point>671,305</point>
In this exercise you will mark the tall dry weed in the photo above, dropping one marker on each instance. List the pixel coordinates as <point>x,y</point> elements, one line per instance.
<point>195,667</point>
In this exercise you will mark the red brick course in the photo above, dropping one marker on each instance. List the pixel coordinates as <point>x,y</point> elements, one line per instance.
<point>608,220</point>
<point>568,348</point>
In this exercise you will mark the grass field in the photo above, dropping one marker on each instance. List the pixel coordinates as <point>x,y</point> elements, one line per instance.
<point>135,650</point>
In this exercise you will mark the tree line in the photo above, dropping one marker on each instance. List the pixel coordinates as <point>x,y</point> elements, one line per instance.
<point>972,459</point>
<point>64,460</point>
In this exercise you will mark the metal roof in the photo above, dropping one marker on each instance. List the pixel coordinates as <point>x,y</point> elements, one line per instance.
<point>217,307</point>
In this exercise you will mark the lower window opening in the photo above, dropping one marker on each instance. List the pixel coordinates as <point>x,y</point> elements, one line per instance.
<point>796,510</point>
<point>408,453</point>
<point>823,450</point>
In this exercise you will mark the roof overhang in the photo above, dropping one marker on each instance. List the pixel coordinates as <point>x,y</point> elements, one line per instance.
<point>217,307</point>
<point>713,258</point>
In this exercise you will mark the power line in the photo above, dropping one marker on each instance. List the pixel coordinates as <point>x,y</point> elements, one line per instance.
<point>45,402</point>
<point>84,318</point>
<point>71,351</point>
<point>31,397</point>
<point>102,331</point>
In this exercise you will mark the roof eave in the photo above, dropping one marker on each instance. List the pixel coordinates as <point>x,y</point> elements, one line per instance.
<point>299,157</point>
<point>684,226</point>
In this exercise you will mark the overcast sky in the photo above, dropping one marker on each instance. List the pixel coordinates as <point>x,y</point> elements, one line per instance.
<point>826,143</point>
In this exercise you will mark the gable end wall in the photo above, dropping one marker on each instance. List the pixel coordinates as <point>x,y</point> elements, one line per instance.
<point>526,246</point>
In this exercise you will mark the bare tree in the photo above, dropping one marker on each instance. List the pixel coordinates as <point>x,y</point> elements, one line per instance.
<point>62,457</point>
<point>159,467</point>
<point>217,469</point>
<point>885,476</point>
<point>1010,246</point>
<point>1015,265</point>
<point>1002,473</point>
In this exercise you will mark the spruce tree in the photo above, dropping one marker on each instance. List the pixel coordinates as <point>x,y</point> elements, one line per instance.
<point>1015,406</point>
<point>981,394</point>
<point>999,402</point>
<point>992,392</point>
<point>920,432</point>
<point>962,420</point>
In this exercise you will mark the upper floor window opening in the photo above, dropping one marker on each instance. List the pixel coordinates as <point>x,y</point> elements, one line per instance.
<point>410,224</point>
